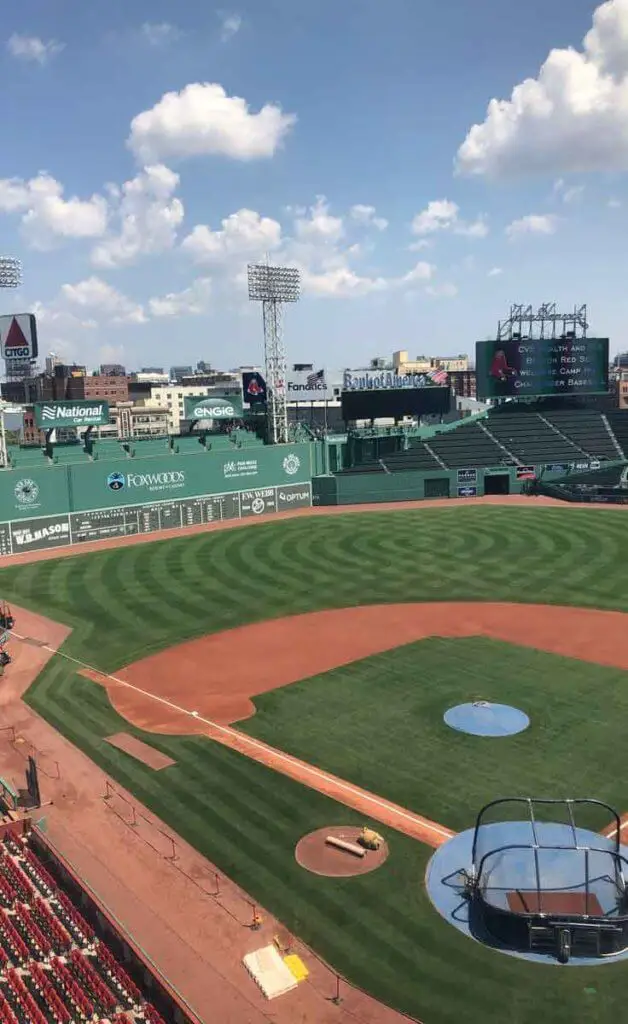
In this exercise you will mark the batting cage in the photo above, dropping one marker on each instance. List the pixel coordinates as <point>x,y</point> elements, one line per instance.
<point>549,876</point>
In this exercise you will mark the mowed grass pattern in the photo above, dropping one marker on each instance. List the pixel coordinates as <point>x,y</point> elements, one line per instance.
<point>379,723</point>
<point>379,930</point>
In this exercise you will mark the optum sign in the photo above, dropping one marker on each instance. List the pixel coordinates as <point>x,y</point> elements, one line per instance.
<point>82,413</point>
<point>211,408</point>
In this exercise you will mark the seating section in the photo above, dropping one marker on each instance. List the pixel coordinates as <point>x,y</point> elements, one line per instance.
<point>618,422</point>
<point>587,429</point>
<point>469,446</point>
<point>416,457</point>
<point>53,968</point>
<point>530,439</point>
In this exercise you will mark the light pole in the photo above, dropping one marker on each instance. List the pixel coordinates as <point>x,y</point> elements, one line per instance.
<point>272,286</point>
<point>10,277</point>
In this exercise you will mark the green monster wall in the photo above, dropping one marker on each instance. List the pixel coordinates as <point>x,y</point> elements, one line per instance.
<point>53,506</point>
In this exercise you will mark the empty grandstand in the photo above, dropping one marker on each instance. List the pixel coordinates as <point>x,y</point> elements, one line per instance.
<point>511,435</point>
<point>54,966</point>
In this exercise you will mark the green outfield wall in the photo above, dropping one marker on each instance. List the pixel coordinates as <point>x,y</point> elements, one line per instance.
<point>53,506</point>
<point>365,488</point>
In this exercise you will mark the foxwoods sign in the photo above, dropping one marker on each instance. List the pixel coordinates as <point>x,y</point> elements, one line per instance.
<point>82,413</point>
<point>382,380</point>
<point>154,483</point>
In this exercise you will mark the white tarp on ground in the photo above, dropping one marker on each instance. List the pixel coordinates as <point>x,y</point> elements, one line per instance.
<point>270,972</point>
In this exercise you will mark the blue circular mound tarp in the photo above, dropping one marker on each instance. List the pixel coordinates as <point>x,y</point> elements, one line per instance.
<point>485,719</point>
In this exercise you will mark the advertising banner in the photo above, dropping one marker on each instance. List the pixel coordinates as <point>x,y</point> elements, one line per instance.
<point>83,412</point>
<point>467,476</point>
<point>309,386</point>
<point>253,388</point>
<point>102,484</point>
<point>18,337</point>
<point>37,534</point>
<point>525,472</point>
<point>383,380</point>
<point>210,407</point>
<point>467,492</point>
<point>33,492</point>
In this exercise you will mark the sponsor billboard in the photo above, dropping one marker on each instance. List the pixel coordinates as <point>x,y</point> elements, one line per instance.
<point>210,407</point>
<point>136,481</point>
<point>309,386</point>
<point>546,366</point>
<point>253,388</point>
<point>18,337</point>
<point>37,534</point>
<point>84,412</point>
<point>384,380</point>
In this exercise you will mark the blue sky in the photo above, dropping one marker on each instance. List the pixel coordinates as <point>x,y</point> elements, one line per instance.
<point>152,150</point>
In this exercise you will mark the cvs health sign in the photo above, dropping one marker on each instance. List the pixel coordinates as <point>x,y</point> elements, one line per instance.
<point>18,337</point>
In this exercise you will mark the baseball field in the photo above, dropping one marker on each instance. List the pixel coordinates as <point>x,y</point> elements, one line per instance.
<point>518,605</point>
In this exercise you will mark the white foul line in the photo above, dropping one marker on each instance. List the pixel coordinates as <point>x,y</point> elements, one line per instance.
<point>247,740</point>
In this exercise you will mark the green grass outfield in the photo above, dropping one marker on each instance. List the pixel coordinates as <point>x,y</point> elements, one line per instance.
<point>379,930</point>
<point>379,723</point>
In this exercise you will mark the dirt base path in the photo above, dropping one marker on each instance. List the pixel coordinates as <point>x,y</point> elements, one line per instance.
<point>212,674</point>
<point>197,939</point>
<point>176,692</point>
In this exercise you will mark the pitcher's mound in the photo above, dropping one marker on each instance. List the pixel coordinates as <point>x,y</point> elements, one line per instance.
<point>314,854</point>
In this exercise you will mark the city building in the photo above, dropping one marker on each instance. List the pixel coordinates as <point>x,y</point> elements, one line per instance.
<point>112,370</point>
<point>463,383</point>
<point>128,420</point>
<point>423,364</point>
<point>112,389</point>
<point>178,372</point>
<point>148,376</point>
<point>171,398</point>
<point>623,389</point>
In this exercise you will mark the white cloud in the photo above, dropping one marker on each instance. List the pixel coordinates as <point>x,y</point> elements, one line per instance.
<point>421,271</point>
<point>367,215</point>
<point>437,216</point>
<point>614,204</point>
<point>568,194</point>
<point>202,120</point>
<point>245,234</point>
<point>148,217</point>
<point>159,33</point>
<point>191,301</point>
<point>319,244</point>
<point>495,272</point>
<point>340,283</point>
<point>104,302</point>
<point>476,229</point>
<point>442,291</point>
<point>231,25</point>
<point>46,215</point>
<point>319,225</point>
<point>571,118</point>
<point>444,215</point>
<point>33,48</point>
<point>533,224</point>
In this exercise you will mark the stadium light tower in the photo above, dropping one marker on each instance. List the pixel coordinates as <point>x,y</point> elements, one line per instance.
<point>10,277</point>
<point>272,286</point>
<point>10,272</point>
